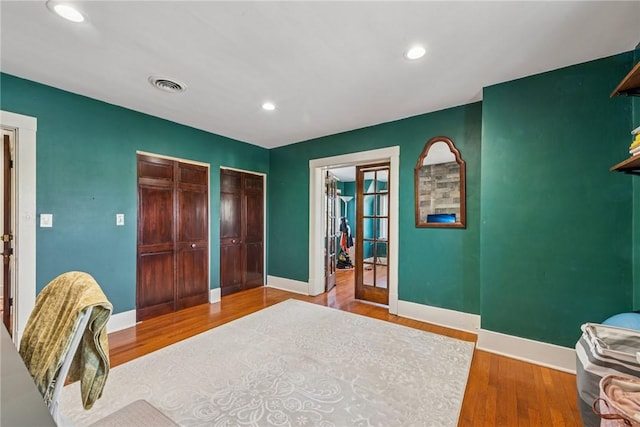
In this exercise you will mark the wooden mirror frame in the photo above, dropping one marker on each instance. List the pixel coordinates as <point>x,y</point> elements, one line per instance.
<point>461,223</point>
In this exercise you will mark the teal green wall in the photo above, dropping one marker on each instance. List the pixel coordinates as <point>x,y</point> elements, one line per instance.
<point>552,238</point>
<point>556,242</point>
<point>437,267</point>
<point>635,122</point>
<point>86,173</point>
<point>551,248</point>
<point>349,189</point>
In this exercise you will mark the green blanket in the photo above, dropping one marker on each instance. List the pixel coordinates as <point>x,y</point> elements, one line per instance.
<point>50,328</point>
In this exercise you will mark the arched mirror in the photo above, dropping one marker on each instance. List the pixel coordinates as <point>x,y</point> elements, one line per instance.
<point>440,185</point>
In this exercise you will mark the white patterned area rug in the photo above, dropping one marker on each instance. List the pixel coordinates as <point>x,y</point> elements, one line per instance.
<point>294,364</point>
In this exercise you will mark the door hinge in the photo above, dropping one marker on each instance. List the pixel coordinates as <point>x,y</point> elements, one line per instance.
<point>7,237</point>
<point>10,302</point>
<point>11,164</point>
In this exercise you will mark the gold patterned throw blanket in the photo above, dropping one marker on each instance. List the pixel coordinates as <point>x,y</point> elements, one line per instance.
<point>47,336</point>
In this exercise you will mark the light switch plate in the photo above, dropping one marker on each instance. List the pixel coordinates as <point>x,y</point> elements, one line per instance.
<point>119,219</point>
<point>46,220</point>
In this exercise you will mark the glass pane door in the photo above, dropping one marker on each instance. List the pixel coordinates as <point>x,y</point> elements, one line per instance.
<point>331,230</point>
<point>372,276</point>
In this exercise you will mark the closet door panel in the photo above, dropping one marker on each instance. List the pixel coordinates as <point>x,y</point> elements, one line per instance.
<point>230,181</point>
<point>155,168</point>
<point>192,283</point>
<point>231,269</point>
<point>173,236</point>
<point>231,265</point>
<point>254,229</point>
<point>192,287</point>
<point>155,293</point>
<point>193,174</point>
<point>193,216</point>
<point>230,216</point>
<point>230,206</point>
<point>254,265</point>
<point>254,217</point>
<point>241,231</point>
<point>155,227</point>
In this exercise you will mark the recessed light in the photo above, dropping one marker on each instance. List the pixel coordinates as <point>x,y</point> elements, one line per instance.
<point>66,11</point>
<point>269,106</point>
<point>415,52</point>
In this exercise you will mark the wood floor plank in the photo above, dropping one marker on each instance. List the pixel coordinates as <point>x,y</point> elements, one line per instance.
<point>500,391</point>
<point>473,409</point>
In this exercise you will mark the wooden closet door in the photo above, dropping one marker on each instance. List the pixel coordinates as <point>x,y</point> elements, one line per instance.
<point>192,285</point>
<point>254,229</point>
<point>241,231</point>
<point>156,254</point>
<point>231,255</point>
<point>173,236</point>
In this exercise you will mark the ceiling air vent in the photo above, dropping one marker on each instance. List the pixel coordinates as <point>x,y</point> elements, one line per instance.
<point>167,85</point>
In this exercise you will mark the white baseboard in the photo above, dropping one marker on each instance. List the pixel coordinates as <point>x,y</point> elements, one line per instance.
<point>215,295</point>
<point>537,352</point>
<point>127,319</point>
<point>440,316</point>
<point>120,321</point>
<point>290,285</point>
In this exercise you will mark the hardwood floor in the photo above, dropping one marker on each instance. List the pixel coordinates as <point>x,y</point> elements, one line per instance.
<point>500,391</point>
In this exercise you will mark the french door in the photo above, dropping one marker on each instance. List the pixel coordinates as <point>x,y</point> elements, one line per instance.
<point>173,236</point>
<point>372,233</point>
<point>330,231</point>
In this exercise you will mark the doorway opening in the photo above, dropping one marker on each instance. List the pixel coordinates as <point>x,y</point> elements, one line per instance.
<point>317,170</point>
<point>372,237</point>
<point>23,286</point>
<point>343,223</point>
<point>7,222</point>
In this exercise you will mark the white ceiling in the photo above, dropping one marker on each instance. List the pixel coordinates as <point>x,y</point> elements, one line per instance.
<point>328,66</point>
<point>344,174</point>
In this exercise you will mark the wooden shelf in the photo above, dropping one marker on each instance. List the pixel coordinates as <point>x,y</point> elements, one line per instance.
<point>630,85</point>
<point>630,166</point>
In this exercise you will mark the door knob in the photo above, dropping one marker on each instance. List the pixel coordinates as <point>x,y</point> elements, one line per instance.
<point>193,245</point>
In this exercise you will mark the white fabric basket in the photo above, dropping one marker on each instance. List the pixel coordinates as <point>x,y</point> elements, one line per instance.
<point>603,350</point>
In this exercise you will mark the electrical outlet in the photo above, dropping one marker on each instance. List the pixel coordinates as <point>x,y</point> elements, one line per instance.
<point>119,219</point>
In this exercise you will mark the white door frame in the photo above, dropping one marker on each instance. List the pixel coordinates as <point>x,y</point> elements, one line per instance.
<point>24,295</point>
<point>316,195</point>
